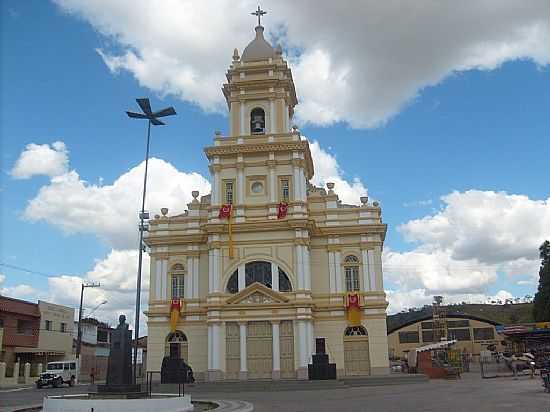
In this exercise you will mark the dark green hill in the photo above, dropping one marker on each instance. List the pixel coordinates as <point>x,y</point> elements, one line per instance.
<point>504,314</point>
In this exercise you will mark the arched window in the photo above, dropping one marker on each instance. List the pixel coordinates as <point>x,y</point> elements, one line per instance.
<point>259,271</point>
<point>257,121</point>
<point>284,282</point>
<point>351,270</point>
<point>176,345</point>
<point>356,331</point>
<point>178,280</point>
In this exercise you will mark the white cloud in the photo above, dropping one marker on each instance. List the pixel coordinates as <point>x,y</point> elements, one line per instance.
<point>116,273</point>
<point>417,298</point>
<point>327,170</point>
<point>492,227</point>
<point>359,64</point>
<point>461,249</point>
<point>110,211</point>
<point>41,159</point>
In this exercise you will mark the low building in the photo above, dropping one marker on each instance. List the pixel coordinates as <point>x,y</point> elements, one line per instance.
<point>21,323</point>
<point>94,351</point>
<point>473,334</point>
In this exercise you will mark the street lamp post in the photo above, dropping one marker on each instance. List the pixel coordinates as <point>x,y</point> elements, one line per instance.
<point>152,118</point>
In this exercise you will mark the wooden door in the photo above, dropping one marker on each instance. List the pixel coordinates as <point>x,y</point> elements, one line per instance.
<point>232,350</point>
<point>259,345</point>
<point>287,349</point>
<point>356,356</point>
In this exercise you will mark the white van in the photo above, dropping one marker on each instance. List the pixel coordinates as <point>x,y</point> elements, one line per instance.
<point>58,373</point>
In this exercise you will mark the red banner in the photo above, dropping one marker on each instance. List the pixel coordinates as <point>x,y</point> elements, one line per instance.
<point>282,210</point>
<point>225,211</point>
<point>353,301</point>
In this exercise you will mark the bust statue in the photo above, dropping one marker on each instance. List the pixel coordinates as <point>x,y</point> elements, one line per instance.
<point>119,369</point>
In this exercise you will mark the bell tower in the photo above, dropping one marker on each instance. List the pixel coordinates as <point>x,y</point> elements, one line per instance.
<point>263,161</point>
<point>259,91</point>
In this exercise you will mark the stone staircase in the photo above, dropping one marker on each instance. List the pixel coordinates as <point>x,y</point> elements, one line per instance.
<point>292,385</point>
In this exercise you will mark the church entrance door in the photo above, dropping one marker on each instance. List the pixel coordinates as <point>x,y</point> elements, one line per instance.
<point>356,351</point>
<point>177,345</point>
<point>259,343</point>
<point>287,349</point>
<point>232,350</point>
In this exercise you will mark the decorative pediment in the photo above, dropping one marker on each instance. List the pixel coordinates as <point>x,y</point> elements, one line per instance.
<point>257,294</point>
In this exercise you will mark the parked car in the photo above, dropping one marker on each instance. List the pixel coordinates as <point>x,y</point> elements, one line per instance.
<point>58,373</point>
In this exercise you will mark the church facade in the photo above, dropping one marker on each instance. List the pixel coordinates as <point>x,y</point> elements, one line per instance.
<point>264,264</point>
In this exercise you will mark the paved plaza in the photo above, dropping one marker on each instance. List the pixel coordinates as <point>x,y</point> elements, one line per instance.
<point>469,394</point>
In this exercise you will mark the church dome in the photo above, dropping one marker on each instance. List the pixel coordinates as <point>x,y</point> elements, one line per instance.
<point>259,48</point>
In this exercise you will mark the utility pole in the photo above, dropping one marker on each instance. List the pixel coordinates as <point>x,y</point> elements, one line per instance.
<point>79,335</point>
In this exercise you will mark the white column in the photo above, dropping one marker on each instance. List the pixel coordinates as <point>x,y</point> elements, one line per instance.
<point>366,281</point>
<point>242,341</point>
<point>276,347</point>
<point>158,278</point>
<point>210,271</point>
<point>338,271</point>
<point>331,273</point>
<point>272,116</point>
<point>216,347</point>
<point>302,344</point>
<point>307,268</point>
<point>286,119</point>
<point>241,277</point>
<point>216,190</point>
<point>164,280</point>
<point>188,282</point>
<point>274,276</point>
<point>372,273</point>
<point>300,266</point>
<point>216,276</point>
<point>195,277</point>
<point>302,179</point>
<point>378,269</point>
<point>240,186</point>
<point>311,340</point>
<point>210,348</point>
<point>243,130</point>
<point>272,185</point>
<point>297,195</point>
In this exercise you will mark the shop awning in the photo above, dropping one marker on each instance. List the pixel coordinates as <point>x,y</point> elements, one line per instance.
<point>438,345</point>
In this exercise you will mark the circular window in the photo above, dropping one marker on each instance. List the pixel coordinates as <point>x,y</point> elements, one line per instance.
<point>257,187</point>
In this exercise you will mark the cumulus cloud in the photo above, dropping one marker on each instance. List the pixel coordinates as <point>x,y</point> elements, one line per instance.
<point>327,169</point>
<point>359,65</point>
<point>41,159</point>
<point>417,298</point>
<point>461,249</point>
<point>491,227</point>
<point>110,211</point>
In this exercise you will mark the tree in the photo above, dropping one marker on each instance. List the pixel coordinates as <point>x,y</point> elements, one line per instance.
<point>541,306</point>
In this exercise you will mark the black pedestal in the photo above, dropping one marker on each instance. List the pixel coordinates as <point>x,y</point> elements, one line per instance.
<point>321,369</point>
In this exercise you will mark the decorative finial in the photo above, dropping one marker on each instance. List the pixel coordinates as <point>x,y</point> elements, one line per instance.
<point>195,194</point>
<point>330,186</point>
<point>235,55</point>
<point>364,200</point>
<point>259,13</point>
<point>164,211</point>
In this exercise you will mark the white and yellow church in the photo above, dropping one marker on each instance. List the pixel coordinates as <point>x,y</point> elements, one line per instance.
<point>245,280</point>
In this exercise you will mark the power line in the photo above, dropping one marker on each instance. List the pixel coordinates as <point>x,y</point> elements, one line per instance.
<point>34,272</point>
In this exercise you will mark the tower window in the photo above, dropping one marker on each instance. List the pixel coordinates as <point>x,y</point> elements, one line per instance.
<point>351,269</point>
<point>228,192</point>
<point>257,121</point>
<point>284,189</point>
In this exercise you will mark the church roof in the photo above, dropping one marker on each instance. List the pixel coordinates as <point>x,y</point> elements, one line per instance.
<point>259,48</point>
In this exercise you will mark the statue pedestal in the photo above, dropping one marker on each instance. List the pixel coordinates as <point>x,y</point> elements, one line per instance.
<point>82,403</point>
<point>129,391</point>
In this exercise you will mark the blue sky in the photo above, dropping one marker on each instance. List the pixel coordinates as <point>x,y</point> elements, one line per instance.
<point>477,129</point>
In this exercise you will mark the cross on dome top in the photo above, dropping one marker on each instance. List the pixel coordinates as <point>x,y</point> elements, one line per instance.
<point>259,13</point>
